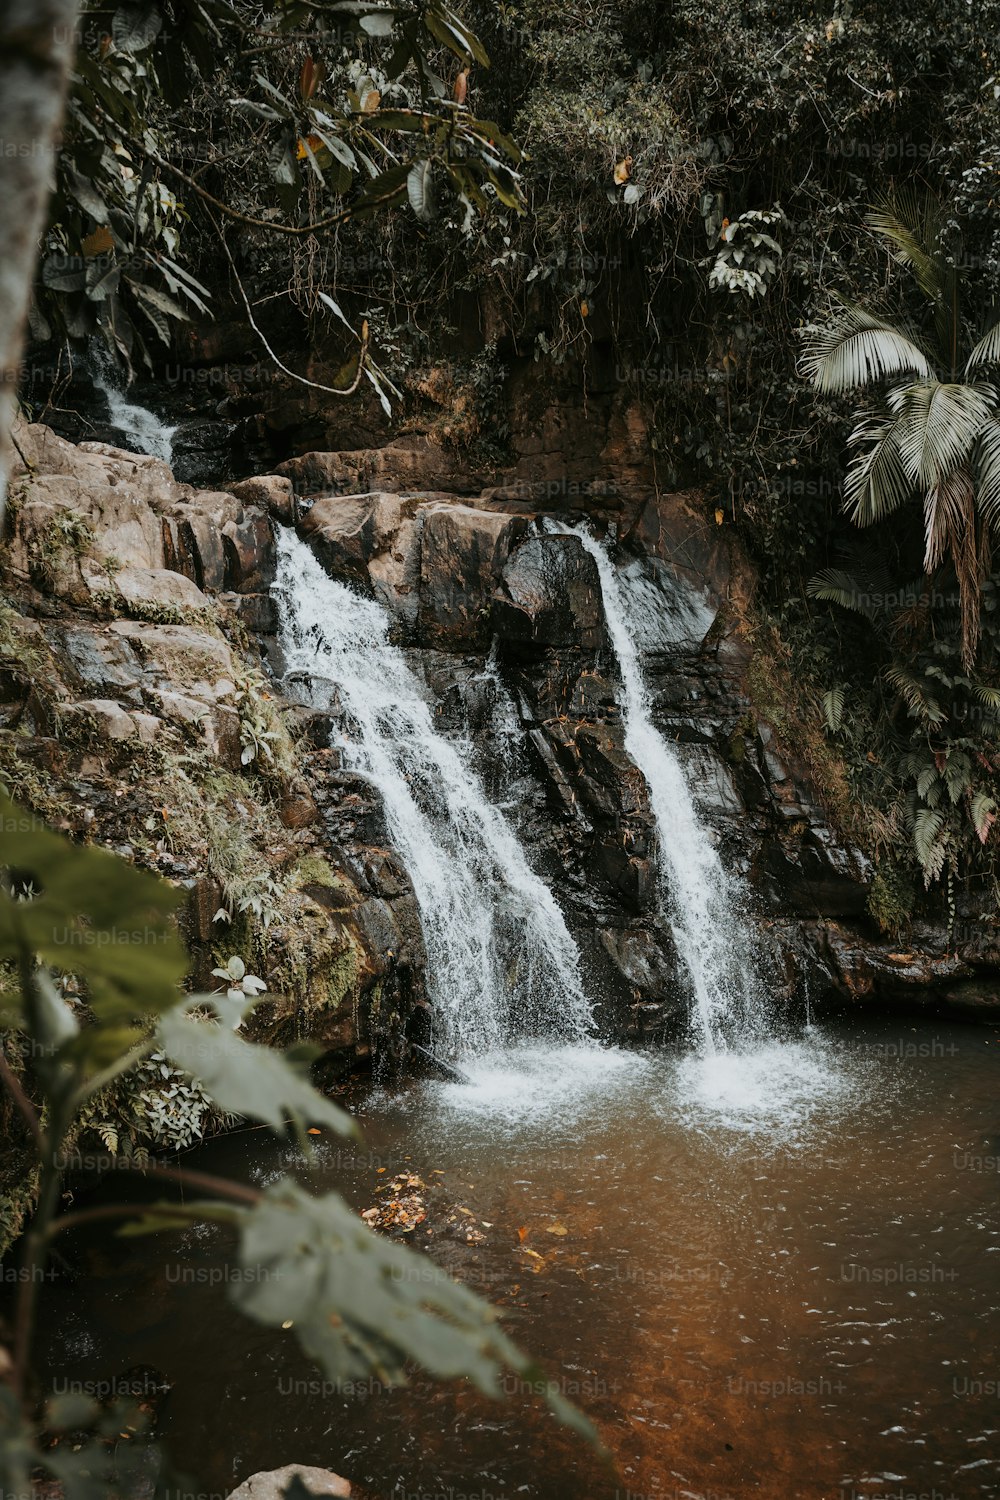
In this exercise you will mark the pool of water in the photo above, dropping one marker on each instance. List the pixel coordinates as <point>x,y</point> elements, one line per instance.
<point>775,1275</point>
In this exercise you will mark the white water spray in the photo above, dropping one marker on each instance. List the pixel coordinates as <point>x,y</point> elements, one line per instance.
<point>142,427</point>
<point>501,962</point>
<point>703,902</point>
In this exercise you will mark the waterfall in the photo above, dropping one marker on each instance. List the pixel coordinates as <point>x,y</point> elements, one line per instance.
<point>142,428</point>
<point>501,963</point>
<point>702,901</point>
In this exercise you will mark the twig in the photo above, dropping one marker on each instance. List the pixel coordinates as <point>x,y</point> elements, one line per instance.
<point>329,390</point>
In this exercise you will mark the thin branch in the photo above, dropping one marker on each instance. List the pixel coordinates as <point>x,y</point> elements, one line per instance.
<point>232,213</point>
<point>329,390</point>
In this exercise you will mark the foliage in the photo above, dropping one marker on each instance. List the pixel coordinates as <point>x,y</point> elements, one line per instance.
<point>939,438</point>
<point>309,119</point>
<point>356,1304</point>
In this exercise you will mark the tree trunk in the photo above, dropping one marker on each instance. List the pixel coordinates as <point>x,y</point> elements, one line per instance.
<point>37,45</point>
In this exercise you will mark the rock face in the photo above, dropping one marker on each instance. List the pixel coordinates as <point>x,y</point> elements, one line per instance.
<point>133,710</point>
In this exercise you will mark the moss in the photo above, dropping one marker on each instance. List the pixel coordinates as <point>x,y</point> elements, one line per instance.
<point>313,869</point>
<point>113,605</point>
<point>892,898</point>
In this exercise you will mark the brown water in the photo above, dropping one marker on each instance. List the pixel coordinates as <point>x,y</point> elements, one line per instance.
<point>779,1277</point>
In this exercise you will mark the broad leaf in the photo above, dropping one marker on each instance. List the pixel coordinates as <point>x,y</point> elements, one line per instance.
<point>244,1079</point>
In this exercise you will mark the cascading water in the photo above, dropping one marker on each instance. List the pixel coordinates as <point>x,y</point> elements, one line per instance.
<point>142,427</point>
<point>502,965</point>
<point>702,900</point>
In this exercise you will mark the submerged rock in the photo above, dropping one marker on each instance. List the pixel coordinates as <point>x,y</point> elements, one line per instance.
<point>270,1484</point>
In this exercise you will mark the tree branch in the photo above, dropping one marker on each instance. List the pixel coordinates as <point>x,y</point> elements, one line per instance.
<point>329,390</point>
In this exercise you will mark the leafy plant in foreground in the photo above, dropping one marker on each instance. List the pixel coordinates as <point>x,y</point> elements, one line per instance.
<point>356,1303</point>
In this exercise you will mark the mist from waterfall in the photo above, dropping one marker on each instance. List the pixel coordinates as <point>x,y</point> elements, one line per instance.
<point>501,964</point>
<point>703,902</point>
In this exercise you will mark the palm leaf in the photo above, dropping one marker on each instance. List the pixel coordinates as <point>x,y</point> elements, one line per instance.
<point>911,224</point>
<point>987,351</point>
<point>876,482</point>
<point>949,512</point>
<point>834,586</point>
<point>938,424</point>
<point>855,348</point>
<point>918,701</point>
<point>987,468</point>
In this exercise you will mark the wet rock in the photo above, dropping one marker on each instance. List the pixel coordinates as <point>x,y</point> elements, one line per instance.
<point>257,613</point>
<point>346,531</point>
<point>463,551</point>
<point>271,1484</point>
<point>550,596</point>
<point>298,810</point>
<point>270,492</point>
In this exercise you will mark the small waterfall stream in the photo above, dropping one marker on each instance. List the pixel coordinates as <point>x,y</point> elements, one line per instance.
<point>704,903</point>
<point>142,427</point>
<point>502,965</point>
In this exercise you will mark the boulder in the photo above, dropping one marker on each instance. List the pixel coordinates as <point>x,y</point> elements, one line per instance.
<point>150,587</point>
<point>550,595</point>
<point>346,531</point>
<point>463,551</point>
<point>406,465</point>
<point>270,1484</point>
<point>270,492</point>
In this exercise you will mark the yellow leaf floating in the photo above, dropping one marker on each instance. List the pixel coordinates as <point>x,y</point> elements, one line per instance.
<point>719,517</point>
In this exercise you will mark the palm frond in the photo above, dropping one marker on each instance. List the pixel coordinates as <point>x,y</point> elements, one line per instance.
<point>834,586</point>
<point>987,351</point>
<point>854,348</point>
<point>987,469</point>
<point>948,514</point>
<point>876,482</point>
<point>938,425</point>
<point>910,222</point>
<point>913,693</point>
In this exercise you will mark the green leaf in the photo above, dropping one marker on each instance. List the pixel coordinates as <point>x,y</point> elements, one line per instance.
<point>135,27</point>
<point>418,188</point>
<point>378,23</point>
<point>70,1409</point>
<point>243,1078</point>
<point>94,915</point>
<point>833,707</point>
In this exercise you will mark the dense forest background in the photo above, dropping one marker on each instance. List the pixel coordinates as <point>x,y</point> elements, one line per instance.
<point>693,195</point>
